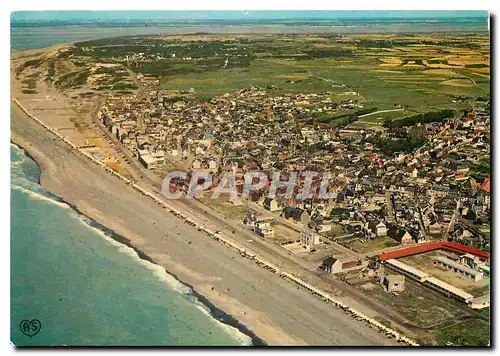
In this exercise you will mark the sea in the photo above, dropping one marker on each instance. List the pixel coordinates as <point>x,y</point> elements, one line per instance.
<point>70,276</point>
<point>87,289</point>
<point>37,29</point>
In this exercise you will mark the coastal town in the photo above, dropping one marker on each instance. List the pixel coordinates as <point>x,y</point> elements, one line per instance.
<point>434,190</point>
<point>398,233</point>
<point>407,201</point>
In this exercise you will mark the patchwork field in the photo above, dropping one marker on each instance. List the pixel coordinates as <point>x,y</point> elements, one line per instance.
<point>413,72</point>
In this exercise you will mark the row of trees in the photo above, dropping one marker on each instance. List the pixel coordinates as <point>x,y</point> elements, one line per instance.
<point>391,146</point>
<point>428,117</point>
<point>344,118</point>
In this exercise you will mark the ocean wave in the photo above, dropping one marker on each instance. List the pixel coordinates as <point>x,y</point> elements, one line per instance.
<point>26,183</point>
<point>40,196</point>
<point>169,280</point>
<point>20,182</point>
<point>234,332</point>
<point>22,166</point>
<point>18,156</point>
<point>17,163</point>
<point>16,149</point>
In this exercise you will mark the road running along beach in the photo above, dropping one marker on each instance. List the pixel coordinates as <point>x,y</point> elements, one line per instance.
<point>275,310</point>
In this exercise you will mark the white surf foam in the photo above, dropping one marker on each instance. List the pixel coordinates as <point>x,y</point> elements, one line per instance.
<point>171,282</point>
<point>17,163</point>
<point>20,183</point>
<point>18,178</point>
<point>39,196</point>
<point>22,157</point>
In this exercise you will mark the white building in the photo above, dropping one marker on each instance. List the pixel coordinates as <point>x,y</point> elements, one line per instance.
<point>263,228</point>
<point>480,302</point>
<point>449,290</point>
<point>407,270</point>
<point>271,204</point>
<point>309,238</point>
<point>147,161</point>
<point>449,264</point>
<point>381,229</point>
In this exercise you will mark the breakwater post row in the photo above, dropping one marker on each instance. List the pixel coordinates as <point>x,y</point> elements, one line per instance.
<point>224,241</point>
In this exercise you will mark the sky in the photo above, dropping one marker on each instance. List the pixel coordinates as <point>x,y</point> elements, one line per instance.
<point>230,15</point>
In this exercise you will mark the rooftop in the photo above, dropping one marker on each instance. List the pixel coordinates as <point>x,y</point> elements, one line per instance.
<point>457,291</point>
<point>459,266</point>
<point>407,268</point>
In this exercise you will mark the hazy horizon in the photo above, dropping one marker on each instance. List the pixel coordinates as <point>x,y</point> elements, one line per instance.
<point>198,15</point>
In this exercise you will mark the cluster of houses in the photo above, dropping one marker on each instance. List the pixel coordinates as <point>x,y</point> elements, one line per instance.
<point>262,227</point>
<point>428,192</point>
<point>248,128</point>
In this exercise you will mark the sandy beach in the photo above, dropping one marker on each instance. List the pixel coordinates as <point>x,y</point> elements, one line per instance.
<point>275,310</point>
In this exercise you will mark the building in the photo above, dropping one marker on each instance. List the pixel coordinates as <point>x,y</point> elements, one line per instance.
<point>212,165</point>
<point>334,265</point>
<point>392,282</point>
<point>271,204</point>
<point>449,264</point>
<point>449,290</point>
<point>381,229</point>
<point>297,214</point>
<point>147,161</point>
<point>485,269</point>
<point>250,219</point>
<point>263,228</point>
<point>470,260</point>
<point>435,228</point>
<point>432,246</point>
<point>196,164</point>
<point>404,238</point>
<point>328,265</point>
<point>309,238</point>
<point>480,302</point>
<point>407,270</point>
<point>432,282</point>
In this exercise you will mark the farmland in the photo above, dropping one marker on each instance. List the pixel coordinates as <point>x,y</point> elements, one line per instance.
<point>416,73</point>
<point>395,76</point>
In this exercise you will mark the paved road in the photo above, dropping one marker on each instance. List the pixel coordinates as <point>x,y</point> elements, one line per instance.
<point>380,111</point>
<point>298,228</point>
<point>260,299</point>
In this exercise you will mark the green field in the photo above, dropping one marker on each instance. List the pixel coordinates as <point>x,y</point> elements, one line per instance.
<point>418,72</point>
<point>274,77</point>
<point>312,66</point>
<point>391,115</point>
<point>418,92</point>
<point>468,333</point>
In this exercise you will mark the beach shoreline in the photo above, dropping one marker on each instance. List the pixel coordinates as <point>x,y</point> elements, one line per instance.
<point>215,312</point>
<point>49,179</point>
<point>47,169</point>
<point>275,311</point>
